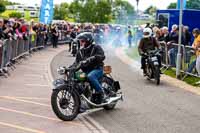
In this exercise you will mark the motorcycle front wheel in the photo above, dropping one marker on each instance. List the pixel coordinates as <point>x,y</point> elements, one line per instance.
<point>65,104</point>
<point>157,75</point>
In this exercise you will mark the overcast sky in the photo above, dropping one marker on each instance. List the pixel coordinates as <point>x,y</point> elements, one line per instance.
<point>143,4</point>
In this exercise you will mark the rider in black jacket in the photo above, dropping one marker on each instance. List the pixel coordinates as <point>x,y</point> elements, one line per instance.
<point>91,57</point>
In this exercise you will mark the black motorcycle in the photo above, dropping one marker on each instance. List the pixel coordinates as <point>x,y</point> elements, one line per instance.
<point>73,92</point>
<point>75,47</point>
<point>152,67</point>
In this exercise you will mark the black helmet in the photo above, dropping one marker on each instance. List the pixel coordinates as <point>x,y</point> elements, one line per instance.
<point>87,36</point>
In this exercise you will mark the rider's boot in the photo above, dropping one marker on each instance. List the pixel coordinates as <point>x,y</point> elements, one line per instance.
<point>101,97</point>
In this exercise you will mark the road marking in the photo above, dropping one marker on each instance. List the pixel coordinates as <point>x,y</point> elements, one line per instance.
<point>32,98</point>
<point>26,101</point>
<point>38,116</point>
<point>37,85</point>
<point>21,128</point>
<point>34,75</point>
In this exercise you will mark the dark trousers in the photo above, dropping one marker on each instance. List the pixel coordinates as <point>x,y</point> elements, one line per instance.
<point>54,42</point>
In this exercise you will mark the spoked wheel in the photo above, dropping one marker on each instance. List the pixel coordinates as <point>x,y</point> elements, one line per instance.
<point>65,104</point>
<point>157,75</point>
<point>149,73</point>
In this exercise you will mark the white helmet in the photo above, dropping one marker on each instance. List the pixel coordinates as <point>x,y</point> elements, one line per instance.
<point>147,32</point>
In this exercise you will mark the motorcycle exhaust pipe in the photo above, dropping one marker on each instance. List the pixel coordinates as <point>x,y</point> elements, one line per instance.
<point>111,100</point>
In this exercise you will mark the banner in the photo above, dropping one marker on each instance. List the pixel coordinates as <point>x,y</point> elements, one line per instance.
<point>179,4</point>
<point>46,11</point>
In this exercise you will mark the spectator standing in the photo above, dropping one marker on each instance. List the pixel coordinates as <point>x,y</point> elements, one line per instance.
<point>2,35</point>
<point>187,36</point>
<point>196,46</point>
<point>173,50</point>
<point>54,32</point>
<point>165,34</point>
<point>130,37</point>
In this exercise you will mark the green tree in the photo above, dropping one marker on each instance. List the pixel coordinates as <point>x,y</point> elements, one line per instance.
<point>15,15</point>
<point>61,11</point>
<point>124,4</point>
<point>6,2</point>
<point>103,11</point>
<point>193,4</point>
<point>88,13</point>
<point>91,10</point>
<point>172,6</point>
<point>151,10</point>
<point>75,9</point>
<point>2,8</point>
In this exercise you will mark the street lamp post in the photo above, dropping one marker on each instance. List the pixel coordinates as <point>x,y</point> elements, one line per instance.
<point>178,66</point>
<point>137,1</point>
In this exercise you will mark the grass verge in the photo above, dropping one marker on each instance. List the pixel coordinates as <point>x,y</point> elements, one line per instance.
<point>189,79</point>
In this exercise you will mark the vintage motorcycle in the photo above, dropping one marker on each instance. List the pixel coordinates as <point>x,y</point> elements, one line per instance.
<point>152,65</point>
<point>73,92</point>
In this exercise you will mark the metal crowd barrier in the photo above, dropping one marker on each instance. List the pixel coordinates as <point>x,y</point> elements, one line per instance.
<point>169,58</point>
<point>11,50</point>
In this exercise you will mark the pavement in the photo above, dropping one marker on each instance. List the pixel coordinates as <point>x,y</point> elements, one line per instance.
<point>25,99</point>
<point>147,108</point>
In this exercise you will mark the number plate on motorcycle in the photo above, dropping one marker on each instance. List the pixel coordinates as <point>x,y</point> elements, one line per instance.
<point>154,58</point>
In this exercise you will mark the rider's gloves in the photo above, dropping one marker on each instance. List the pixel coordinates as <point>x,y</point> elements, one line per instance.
<point>87,61</point>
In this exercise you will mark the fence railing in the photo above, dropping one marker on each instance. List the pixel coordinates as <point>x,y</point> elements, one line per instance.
<point>188,58</point>
<point>11,50</point>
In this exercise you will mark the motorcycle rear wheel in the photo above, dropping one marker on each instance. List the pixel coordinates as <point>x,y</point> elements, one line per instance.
<point>157,75</point>
<point>110,83</point>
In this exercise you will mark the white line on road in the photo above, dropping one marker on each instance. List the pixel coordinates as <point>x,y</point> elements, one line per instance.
<point>25,101</point>
<point>39,116</point>
<point>38,85</point>
<point>21,128</point>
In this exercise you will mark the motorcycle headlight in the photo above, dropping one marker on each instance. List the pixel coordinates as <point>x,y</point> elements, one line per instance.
<point>154,58</point>
<point>61,70</point>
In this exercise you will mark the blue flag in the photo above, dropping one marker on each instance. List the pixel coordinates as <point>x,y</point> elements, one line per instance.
<point>179,4</point>
<point>46,11</point>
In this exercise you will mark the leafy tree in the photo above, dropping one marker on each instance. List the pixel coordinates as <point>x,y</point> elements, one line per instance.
<point>151,10</point>
<point>75,7</point>
<point>15,15</point>
<point>2,8</point>
<point>88,12</point>
<point>124,4</point>
<point>103,11</point>
<point>172,6</point>
<point>61,11</point>
<point>6,2</point>
<point>191,4</point>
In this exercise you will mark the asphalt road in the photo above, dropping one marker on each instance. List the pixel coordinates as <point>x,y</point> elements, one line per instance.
<point>146,108</point>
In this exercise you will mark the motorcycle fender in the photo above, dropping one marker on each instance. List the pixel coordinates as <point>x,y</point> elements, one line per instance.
<point>59,82</point>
